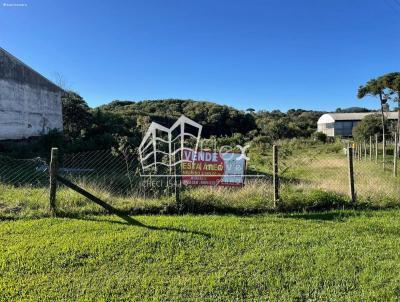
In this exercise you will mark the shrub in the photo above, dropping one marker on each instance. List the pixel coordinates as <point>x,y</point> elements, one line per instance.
<point>319,136</point>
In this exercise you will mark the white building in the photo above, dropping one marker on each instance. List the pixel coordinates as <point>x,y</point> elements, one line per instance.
<point>342,124</point>
<point>30,105</point>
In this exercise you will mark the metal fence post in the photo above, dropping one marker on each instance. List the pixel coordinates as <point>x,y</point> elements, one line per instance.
<point>275,173</point>
<point>53,180</point>
<point>351,175</point>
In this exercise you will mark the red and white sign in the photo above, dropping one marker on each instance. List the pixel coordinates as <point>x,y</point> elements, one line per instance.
<point>209,168</point>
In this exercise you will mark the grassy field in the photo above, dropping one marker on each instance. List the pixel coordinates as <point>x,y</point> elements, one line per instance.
<point>330,256</point>
<point>254,252</point>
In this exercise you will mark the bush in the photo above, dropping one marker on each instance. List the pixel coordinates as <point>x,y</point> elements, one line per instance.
<point>319,136</point>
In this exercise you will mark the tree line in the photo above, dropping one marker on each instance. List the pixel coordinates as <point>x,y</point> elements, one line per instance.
<point>125,122</point>
<point>119,124</point>
<point>100,127</point>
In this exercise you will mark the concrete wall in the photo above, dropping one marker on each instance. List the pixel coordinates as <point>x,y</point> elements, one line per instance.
<point>28,110</point>
<point>30,104</point>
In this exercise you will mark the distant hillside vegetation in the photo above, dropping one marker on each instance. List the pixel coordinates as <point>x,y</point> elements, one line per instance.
<point>216,119</point>
<point>122,124</point>
<point>352,109</point>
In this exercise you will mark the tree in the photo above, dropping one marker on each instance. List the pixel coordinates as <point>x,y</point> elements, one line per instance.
<point>319,136</point>
<point>143,123</point>
<point>76,115</point>
<point>392,82</point>
<point>375,87</point>
<point>61,81</point>
<point>369,126</point>
<point>126,150</point>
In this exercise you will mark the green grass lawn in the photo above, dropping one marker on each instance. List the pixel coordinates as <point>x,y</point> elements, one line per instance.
<point>332,256</point>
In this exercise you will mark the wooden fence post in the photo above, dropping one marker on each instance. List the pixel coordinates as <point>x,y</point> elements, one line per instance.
<point>178,195</point>
<point>383,151</point>
<point>275,173</point>
<point>98,201</point>
<point>370,148</point>
<point>376,148</point>
<point>395,156</point>
<point>357,147</point>
<point>178,176</point>
<point>351,175</point>
<point>365,150</point>
<point>53,180</point>
<point>357,150</point>
<point>397,147</point>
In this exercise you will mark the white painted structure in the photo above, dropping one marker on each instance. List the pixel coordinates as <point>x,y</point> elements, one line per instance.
<point>30,105</point>
<point>342,124</point>
<point>148,149</point>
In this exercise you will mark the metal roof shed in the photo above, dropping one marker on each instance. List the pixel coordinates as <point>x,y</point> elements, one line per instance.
<point>342,124</point>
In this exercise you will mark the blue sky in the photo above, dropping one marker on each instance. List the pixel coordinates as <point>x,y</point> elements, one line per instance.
<point>271,54</point>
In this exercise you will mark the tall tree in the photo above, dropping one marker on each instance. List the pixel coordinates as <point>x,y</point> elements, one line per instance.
<point>392,82</point>
<point>376,88</point>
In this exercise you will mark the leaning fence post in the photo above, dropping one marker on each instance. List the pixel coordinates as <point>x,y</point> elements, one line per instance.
<point>395,156</point>
<point>53,180</point>
<point>275,173</point>
<point>351,174</point>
